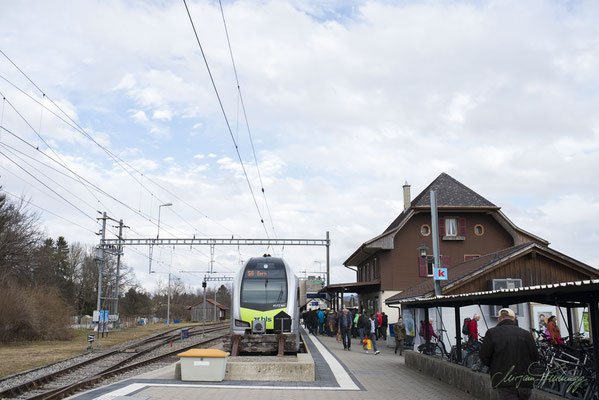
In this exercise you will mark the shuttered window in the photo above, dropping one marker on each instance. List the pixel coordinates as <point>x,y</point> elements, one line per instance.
<point>452,227</point>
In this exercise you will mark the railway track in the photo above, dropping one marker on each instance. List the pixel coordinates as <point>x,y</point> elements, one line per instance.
<point>87,373</point>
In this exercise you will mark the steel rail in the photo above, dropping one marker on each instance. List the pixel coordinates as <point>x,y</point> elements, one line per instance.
<point>40,381</point>
<point>59,393</point>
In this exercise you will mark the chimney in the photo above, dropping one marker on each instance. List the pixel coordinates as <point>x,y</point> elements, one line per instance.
<point>406,196</point>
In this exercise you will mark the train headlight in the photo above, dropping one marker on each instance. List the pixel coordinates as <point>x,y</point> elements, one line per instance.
<point>242,324</point>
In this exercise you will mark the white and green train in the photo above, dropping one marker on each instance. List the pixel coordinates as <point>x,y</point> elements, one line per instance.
<point>262,289</point>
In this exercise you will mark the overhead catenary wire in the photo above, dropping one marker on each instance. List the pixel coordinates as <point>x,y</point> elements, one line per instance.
<point>147,217</point>
<point>14,150</point>
<point>118,160</point>
<point>247,124</point>
<point>48,187</point>
<point>28,202</point>
<point>62,162</point>
<point>45,175</point>
<point>226,118</point>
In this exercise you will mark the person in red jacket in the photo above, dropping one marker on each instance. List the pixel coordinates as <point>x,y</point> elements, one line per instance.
<point>473,328</point>
<point>379,324</point>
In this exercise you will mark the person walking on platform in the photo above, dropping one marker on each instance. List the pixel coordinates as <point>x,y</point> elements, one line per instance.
<point>399,329</point>
<point>372,334</point>
<point>473,330</point>
<point>355,326</point>
<point>379,323</point>
<point>509,352</point>
<point>331,322</point>
<point>363,326</point>
<point>345,323</point>
<point>313,320</point>
<point>321,319</point>
<point>384,325</point>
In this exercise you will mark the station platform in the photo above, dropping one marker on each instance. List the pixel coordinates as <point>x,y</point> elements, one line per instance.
<point>339,375</point>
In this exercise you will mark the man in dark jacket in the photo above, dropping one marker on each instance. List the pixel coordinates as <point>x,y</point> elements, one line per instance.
<point>384,325</point>
<point>509,352</point>
<point>345,323</point>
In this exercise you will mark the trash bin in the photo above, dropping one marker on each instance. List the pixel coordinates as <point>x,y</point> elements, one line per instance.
<point>203,365</point>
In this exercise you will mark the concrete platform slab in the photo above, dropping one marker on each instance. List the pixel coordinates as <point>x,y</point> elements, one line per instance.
<point>339,374</point>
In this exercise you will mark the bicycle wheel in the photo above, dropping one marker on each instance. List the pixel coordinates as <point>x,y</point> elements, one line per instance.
<point>444,352</point>
<point>437,351</point>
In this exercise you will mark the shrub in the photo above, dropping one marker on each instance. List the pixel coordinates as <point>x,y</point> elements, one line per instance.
<point>32,314</point>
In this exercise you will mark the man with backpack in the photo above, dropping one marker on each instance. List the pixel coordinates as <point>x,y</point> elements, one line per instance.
<point>363,326</point>
<point>470,328</point>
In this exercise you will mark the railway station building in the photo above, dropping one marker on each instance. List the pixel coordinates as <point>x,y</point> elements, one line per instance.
<point>481,247</point>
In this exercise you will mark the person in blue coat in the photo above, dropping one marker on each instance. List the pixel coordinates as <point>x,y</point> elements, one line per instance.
<point>321,319</point>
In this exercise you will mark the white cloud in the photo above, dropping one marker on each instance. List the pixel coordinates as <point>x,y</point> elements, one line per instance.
<point>345,103</point>
<point>139,116</point>
<point>162,115</point>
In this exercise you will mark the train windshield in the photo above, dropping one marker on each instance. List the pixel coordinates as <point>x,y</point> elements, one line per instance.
<point>264,286</point>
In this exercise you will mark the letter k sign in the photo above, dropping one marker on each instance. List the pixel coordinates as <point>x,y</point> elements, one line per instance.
<point>441,274</point>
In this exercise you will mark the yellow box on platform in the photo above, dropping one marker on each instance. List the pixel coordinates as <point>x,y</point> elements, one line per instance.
<point>203,365</point>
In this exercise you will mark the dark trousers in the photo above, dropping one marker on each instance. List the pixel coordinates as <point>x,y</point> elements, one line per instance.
<point>399,346</point>
<point>511,393</point>
<point>371,337</point>
<point>346,337</point>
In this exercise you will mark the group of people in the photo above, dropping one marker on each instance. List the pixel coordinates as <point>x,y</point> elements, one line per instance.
<point>507,350</point>
<point>347,324</point>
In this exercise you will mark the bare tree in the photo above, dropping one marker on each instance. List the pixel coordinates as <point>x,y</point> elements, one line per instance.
<point>19,236</point>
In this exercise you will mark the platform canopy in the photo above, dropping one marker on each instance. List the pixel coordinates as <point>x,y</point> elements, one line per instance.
<point>566,294</point>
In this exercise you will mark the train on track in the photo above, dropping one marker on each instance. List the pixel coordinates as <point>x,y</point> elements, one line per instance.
<point>265,290</point>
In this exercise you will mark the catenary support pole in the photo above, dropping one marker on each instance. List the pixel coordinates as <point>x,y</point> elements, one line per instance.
<point>168,300</point>
<point>204,306</point>
<point>435,235</point>
<point>118,270</point>
<point>328,245</point>
<point>100,256</point>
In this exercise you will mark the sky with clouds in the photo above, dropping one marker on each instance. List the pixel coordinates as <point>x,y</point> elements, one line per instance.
<point>346,100</point>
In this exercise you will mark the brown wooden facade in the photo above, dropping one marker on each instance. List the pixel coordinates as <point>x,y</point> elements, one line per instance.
<point>533,268</point>
<point>401,267</point>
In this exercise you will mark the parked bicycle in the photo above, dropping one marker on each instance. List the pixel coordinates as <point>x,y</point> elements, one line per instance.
<point>435,347</point>
<point>566,370</point>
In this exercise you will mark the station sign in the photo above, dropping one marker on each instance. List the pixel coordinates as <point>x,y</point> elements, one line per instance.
<point>440,274</point>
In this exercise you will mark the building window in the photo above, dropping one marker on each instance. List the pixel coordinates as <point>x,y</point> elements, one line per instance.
<point>451,227</point>
<point>479,230</point>
<point>430,262</point>
<point>425,230</point>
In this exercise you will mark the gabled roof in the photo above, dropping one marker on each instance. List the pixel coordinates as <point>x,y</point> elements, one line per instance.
<point>472,268</point>
<point>208,301</point>
<point>450,193</point>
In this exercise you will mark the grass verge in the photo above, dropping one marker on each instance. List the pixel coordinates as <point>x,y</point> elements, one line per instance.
<point>22,356</point>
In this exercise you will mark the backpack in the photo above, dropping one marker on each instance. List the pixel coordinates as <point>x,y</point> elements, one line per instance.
<point>363,322</point>
<point>465,329</point>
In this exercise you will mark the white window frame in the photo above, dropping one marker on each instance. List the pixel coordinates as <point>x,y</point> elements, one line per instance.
<point>449,224</point>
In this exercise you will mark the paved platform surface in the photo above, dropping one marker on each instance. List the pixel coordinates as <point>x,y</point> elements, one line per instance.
<point>340,375</point>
